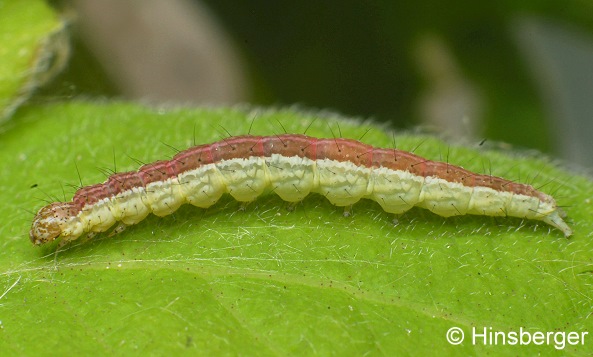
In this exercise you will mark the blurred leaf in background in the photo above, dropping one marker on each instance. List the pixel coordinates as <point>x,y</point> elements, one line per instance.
<point>33,49</point>
<point>394,60</point>
<point>472,70</point>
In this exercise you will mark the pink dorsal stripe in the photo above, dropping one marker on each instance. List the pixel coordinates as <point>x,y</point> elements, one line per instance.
<point>338,149</point>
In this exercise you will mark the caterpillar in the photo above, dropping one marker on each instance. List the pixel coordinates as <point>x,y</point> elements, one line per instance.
<point>292,166</point>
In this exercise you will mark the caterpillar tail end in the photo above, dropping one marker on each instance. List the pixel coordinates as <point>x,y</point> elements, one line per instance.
<point>555,219</point>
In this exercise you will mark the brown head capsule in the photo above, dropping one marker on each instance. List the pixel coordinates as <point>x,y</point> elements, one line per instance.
<point>50,221</point>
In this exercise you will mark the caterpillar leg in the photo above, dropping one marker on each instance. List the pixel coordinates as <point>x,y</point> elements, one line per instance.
<point>347,210</point>
<point>291,206</point>
<point>395,219</point>
<point>67,239</point>
<point>118,229</point>
<point>244,205</point>
<point>62,243</point>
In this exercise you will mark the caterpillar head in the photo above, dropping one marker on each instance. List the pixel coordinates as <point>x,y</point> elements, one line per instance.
<point>50,222</point>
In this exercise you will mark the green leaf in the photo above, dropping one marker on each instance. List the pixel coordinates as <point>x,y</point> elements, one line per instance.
<point>265,280</point>
<point>34,47</point>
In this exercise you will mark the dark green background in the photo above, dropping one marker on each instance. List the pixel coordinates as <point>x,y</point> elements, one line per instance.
<point>357,58</point>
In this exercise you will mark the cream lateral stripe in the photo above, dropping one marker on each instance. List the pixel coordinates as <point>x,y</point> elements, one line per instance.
<point>292,166</point>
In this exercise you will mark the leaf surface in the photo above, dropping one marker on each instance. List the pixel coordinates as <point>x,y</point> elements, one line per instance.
<point>265,280</point>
